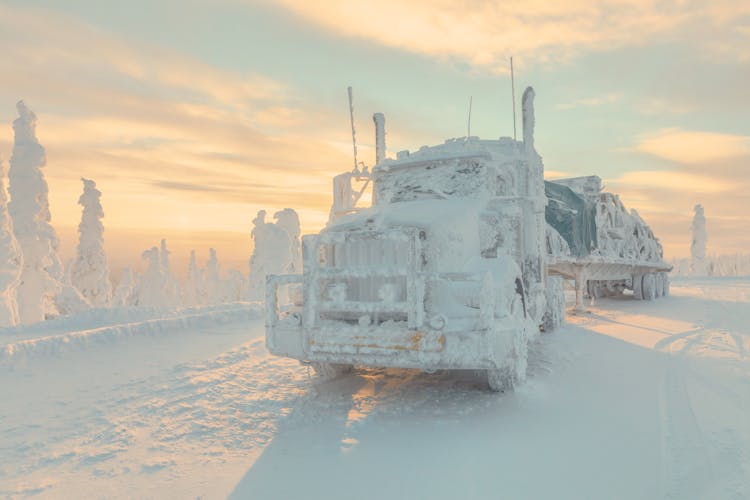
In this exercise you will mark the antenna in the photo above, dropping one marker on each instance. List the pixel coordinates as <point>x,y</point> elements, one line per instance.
<point>354,137</point>
<point>513,96</point>
<point>468,132</point>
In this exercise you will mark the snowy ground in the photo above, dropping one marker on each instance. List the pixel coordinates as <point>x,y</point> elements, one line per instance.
<point>632,400</point>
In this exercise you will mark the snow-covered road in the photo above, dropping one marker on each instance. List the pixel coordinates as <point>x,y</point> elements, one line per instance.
<point>633,400</point>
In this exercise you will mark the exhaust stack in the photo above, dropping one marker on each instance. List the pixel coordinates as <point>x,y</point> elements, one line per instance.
<point>379,119</point>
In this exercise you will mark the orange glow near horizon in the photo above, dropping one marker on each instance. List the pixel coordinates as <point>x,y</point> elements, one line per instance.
<point>138,216</point>
<point>188,142</point>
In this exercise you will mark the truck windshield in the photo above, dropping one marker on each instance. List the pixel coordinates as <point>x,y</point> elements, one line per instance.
<point>439,179</point>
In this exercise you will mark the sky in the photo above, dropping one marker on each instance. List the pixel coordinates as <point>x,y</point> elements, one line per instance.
<point>192,115</point>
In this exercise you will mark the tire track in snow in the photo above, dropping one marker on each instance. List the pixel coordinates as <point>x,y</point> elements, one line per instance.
<point>224,405</point>
<point>688,471</point>
<point>188,417</point>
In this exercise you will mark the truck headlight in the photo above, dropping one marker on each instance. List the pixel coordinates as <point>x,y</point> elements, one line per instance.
<point>438,322</point>
<point>337,292</point>
<point>387,293</point>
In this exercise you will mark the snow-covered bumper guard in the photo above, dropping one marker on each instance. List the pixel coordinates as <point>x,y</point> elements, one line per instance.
<point>366,300</point>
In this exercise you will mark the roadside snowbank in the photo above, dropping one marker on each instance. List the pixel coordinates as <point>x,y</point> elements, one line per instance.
<point>51,337</point>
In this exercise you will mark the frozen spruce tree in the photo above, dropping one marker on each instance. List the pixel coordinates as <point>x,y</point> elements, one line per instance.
<point>271,254</point>
<point>29,209</point>
<point>10,262</point>
<point>289,221</point>
<point>233,286</point>
<point>123,294</point>
<point>90,272</point>
<point>69,300</point>
<point>156,287</point>
<point>212,286</point>
<point>698,245</point>
<point>191,290</point>
<point>171,288</point>
<point>149,291</point>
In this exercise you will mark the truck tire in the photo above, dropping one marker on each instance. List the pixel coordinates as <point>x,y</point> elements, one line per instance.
<point>500,380</point>
<point>554,315</point>
<point>330,371</point>
<point>513,371</point>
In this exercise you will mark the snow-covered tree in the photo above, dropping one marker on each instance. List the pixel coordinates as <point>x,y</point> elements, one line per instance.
<point>123,294</point>
<point>156,287</point>
<point>69,299</point>
<point>90,272</point>
<point>698,245</point>
<point>212,286</point>
<point>29,208</point>
<point>191,291</point>
<point>271,254</point>
<point>149,290</point>
<point>289,221</point>
<point>716,265</point>
<point>164,255</point>
<point>233,286</point>
<point>10,262</point>
<point>171,287</point>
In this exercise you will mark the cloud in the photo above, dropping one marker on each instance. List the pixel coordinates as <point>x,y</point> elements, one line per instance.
<point>41,37</point>
<point>174,144</point>
<point>653,106</point>
<point>675,180</point>
<point>555,174</point>
<point>693,147</point>
<point>180,145</point>
<point>590,102</point>
<point>485,33</point>
<point>183,186</point>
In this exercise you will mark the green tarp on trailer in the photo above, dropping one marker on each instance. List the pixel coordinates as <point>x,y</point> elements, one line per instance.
<point>572,216</point>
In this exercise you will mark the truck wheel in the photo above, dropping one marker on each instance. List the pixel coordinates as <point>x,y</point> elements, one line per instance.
<point>554,315</point>
<point>500,380</point>
<point>330,371</point>
<point>514,370</point>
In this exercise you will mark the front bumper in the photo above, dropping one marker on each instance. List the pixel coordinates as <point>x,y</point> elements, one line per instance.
<point>392,345</point>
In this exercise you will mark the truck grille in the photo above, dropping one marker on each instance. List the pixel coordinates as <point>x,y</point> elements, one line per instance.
<point>369,253</point>
<point>364,275</point>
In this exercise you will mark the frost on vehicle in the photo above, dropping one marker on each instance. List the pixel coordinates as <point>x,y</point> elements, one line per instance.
<point>610,249</point>
<point>448,269</point>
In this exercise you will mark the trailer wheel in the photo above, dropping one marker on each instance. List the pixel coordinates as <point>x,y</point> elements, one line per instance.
<point>649,287</point>
<point>594,289</point>
<point>330,371</point>
<point>638,286</point>
<point>659,282</point>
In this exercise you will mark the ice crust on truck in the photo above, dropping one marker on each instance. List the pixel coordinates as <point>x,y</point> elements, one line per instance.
<point>449,266</point>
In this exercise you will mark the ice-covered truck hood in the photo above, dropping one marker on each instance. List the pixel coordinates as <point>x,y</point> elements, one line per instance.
<point>424,214</point>
<point>451,227</point>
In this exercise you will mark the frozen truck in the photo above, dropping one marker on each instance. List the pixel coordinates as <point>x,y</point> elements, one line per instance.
<point>458,262</point>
